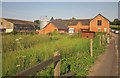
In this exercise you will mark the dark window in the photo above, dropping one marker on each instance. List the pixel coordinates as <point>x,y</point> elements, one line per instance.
<point>99,22</point>
<point>55,30</point>
<point>1,23</point>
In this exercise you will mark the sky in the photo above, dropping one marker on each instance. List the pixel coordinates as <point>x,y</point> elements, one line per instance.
<point>59,0</point>
<point>119,10</point>
<point>59,10</point>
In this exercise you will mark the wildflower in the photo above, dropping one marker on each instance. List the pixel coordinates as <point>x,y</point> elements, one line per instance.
<point>23,56</point>
<point>16,39</point>
<point>18,65</point>
<point>20,38</point>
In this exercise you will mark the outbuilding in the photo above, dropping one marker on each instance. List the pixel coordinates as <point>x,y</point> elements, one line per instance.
<point>88,34</point>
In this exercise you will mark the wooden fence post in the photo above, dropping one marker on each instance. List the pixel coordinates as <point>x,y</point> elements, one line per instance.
<point>91,47</point>
<point>57,66</point>
<point>108,38</point>
<point>103,39</point>
<point>100,40</point>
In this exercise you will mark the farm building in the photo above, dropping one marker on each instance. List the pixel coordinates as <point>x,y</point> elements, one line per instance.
<point>8,25</point>
<point>57,25</point>
<point>97,24</point>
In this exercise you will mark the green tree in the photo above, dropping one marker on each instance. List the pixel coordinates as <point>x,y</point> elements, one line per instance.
<point>52,19</point>
<point>116,21</point>
<point>37,21</point>
<point>73,18</point>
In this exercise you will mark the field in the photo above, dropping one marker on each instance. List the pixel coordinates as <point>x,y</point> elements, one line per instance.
<point>24,51</point>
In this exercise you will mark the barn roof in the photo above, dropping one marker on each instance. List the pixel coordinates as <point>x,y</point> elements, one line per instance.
<point>84,21</point>
<point>59,24</point>
<point>63,24</point>
<point>16,21</point>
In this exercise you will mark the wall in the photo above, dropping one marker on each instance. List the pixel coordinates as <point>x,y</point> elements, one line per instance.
<point>8,25</point>
<point>88,34</point>
<point>62,31</point>
<point>105,24</point>
<point>79,26</point>
<point>9,30</point>
<point>50,28</point>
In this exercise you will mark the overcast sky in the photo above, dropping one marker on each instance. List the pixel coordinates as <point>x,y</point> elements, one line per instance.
<point>63,10</point>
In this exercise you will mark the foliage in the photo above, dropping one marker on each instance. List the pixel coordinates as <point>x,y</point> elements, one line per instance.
<point>52,19</point>
<point>116,27</point>
<point>14,32</point>
<point>74,50</point>
<point>115,22</point>
<point>13,42</point>
<point>73,18</point>
<point>37,21</point>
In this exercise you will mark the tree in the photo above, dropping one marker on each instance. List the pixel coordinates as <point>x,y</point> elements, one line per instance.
<point>73,18</point>
<point>52,19</point>
<point>37,21</point>
<point>116,21</point>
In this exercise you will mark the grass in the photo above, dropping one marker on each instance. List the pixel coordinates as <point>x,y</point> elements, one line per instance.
<point>74,51</point>
<point>0,64</point>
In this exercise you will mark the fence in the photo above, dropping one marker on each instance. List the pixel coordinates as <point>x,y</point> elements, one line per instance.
<point>103,39</point>
<point>55,59</point>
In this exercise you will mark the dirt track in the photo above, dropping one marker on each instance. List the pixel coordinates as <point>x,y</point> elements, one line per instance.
<point>107,63</point>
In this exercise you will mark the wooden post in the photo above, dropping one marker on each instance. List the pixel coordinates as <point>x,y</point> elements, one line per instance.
<point>108,38</point>
<point>100,40</point>
<point>57,66</point>
<point>91,47</point>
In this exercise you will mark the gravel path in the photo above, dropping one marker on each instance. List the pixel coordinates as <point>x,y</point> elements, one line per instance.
<point>107,63</point>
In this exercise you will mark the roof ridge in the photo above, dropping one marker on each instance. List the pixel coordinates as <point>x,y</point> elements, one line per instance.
<point>17,19</point>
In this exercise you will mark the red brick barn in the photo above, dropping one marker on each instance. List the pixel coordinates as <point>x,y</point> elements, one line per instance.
<point>97,24</point>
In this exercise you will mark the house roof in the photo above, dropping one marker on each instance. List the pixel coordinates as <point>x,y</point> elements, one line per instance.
<point>16,21</point>
<point>102,16</point>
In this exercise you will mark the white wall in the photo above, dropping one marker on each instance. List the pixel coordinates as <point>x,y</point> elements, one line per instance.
<point>9,30</point>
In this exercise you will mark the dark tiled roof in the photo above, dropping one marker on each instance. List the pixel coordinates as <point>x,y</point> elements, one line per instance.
<point>59,24</point>
<point>63,24</point>
<point>84,21</point>
<point>16,21</point>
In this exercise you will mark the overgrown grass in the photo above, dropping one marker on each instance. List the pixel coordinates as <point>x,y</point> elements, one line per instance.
<point>18,42</point>
<point>74,51</point>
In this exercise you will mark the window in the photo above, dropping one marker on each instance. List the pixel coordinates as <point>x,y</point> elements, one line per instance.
<point>71,30</point>
<point>55,29</point>
<point>1,23</point>
<point>99,22</point>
